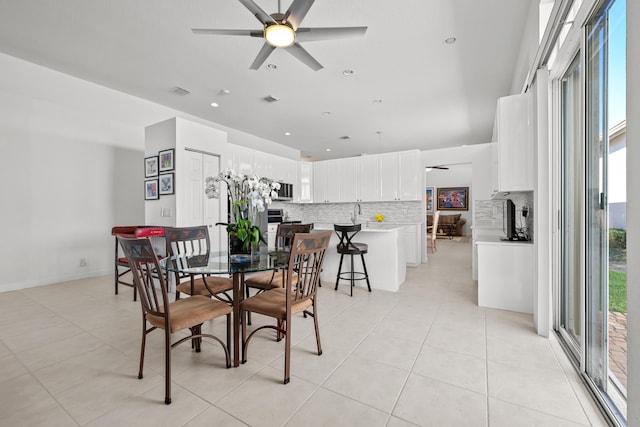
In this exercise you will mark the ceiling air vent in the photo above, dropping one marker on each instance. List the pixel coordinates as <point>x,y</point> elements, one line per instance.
<point>345,137</point>
<point>271,98</point>
<point>179,91</point>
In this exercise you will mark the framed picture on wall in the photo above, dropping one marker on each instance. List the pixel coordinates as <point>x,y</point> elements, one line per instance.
<point>151,189</point>
<point>166,183</point>
<point>166,159</point>
<point>429,199</point>
<point>453,199</point>
<point>150,166</point>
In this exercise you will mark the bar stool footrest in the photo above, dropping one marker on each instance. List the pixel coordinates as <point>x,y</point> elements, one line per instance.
<point>347,275</point>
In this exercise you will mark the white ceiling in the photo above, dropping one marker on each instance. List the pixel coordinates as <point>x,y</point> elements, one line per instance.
<point>433,95</point>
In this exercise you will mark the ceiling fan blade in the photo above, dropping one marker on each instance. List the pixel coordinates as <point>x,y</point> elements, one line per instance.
<point>257,11</point>
<point>304,56</point>
<point>297,11</point>
<point>252,33</point>
<point>329,33</point>
<point>262,56</point>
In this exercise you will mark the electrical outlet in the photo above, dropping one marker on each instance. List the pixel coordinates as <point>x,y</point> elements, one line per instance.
<point>83,262</point>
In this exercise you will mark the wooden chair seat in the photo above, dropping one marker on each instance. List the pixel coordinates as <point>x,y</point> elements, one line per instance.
<point>217,285</point>
<point>269,280</point>
<point>189,312</point>
<point>272,303</point>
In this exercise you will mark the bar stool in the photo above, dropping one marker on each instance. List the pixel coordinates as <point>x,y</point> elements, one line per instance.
<point>346,247</point>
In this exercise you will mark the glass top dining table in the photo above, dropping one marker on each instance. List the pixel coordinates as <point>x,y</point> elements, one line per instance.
<point>237,267</point>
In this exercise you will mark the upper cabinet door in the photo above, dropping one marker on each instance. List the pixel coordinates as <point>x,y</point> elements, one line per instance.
<point>334,181</point>
<point>514,135</point>
<point>409,175</point>
<point>388,178</point>
<point>303,193</point>
<point>262,164</point>
<point>320,182</point>
<point>369,179</point>
<point>351,190</point>
<point>242,160</point>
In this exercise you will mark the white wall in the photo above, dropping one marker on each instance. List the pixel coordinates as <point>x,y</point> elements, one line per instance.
<point>73,156</point>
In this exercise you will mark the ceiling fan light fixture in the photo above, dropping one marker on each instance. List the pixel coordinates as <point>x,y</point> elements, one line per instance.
<point>279,35</point>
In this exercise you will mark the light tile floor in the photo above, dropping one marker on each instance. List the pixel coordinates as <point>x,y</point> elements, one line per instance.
<point>426,355</point>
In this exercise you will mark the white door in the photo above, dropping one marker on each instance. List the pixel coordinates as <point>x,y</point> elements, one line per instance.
<point>199,210</point>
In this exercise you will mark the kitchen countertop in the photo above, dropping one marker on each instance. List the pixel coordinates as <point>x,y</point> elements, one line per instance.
<point>493,240</point>
<point>366,227</point>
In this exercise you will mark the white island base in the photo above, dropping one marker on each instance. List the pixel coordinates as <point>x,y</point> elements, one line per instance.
<point>385,259</point>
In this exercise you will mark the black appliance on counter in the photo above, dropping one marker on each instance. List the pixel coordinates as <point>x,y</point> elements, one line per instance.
<point>285,192</point>
<point>276,216</point>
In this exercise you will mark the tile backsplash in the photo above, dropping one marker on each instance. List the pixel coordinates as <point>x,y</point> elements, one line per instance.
<point>341,212</point>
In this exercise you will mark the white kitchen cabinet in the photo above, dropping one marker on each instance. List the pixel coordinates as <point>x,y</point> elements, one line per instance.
<point>351,191</point>
<point>505,275</point>
<point>388,177</point>
<point>263,164</point>
<point>335,183</point>
<point>413,244</point>
<point>290,171</point>
<point>304,191</point>
<point>360,179</point>
<point>327,181</point>
<point>369,178</point>
<point>409,175</point>
<point>400,177</point>
<point>242,159</point>
<point>320,182</point>
<point>514,143</point>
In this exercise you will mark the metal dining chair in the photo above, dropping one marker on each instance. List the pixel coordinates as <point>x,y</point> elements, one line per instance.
<point>306,258</point>
<point>188,313</point>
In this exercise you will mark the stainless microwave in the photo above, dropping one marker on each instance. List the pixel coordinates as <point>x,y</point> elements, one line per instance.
<point>285,192</point>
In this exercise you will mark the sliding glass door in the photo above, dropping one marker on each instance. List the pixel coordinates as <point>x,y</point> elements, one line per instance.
<point>591,318</point>
<point>571,223</point>
<point>605,196</point>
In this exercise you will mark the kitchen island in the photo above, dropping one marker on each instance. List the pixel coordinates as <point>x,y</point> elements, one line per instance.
<point>385,259</point>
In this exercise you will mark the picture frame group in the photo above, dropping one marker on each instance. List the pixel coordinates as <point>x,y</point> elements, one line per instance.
<point>158,180</point>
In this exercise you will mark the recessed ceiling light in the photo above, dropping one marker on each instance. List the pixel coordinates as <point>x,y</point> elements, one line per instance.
<point>215,104</point>
<point>225,92</point>
<point>450,40</point>
<point>328,149</point>
<point>348,72</point>
<point>271,66</point>
<point>326,113</point>
<point>287,133</point>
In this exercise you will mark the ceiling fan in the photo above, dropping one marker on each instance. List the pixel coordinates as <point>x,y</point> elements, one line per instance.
<point>283,30</point>
<point>430,168</point>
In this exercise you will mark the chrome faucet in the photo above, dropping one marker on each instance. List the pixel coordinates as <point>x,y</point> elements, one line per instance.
<point>354,216</point>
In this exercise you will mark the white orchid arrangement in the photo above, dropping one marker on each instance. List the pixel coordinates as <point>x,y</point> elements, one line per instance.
<point>249,195</point>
